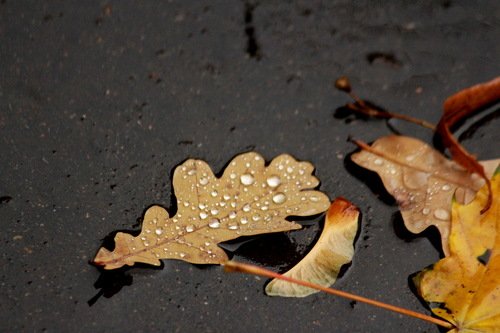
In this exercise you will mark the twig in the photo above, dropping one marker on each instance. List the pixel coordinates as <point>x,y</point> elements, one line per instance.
<point>361,107</point>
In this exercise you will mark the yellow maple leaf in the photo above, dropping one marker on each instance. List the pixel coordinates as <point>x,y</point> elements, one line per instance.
<point>464,288</point>
<point>250,198</point>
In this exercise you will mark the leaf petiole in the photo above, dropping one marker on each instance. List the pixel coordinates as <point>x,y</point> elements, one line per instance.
<point>237,267</point>
<point>361,107</point>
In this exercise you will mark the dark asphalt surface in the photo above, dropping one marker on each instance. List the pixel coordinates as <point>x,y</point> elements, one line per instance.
<point>99,101</point>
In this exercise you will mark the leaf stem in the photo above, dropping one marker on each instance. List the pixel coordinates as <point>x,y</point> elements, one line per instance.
<point>361,107</point>
<point>233,266</point>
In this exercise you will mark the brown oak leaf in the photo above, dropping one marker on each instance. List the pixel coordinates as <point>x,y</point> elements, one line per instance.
<point>249,199</point>
<point>421,179</point>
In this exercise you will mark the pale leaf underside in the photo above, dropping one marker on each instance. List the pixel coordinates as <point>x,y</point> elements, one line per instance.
<point>249,199</point>
<point>421,180</point>
<point>322,264</point>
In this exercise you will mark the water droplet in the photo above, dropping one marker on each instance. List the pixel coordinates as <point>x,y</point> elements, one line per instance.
<point>207,243</point>
<point>314,199</point>
<point>203,215</point>
<point>446,187</point>
<point>214,211</point>
<point>279,198</point>
<point>233,204</point>
<point>378,161</point>
<point>201,206</point>
<point>192,172</point>
<point>182,254</point>
<point>232,176</point>
<point>155,220</point>
<point>189,228</point>
<point>256,217</point>
<point>203,181</point>
<point>280,167</point>
<point>146,244</point>
<point>273,181</point>
<point>392,171</point>
<point>264,208</point>
<point>158,231</point>
<point>426,211</point>
<point>143,238</point>
<point>214,223</point>
<point>441,214</point>
<point>247,179</point>
<point>244,220</point>
<point>222,203</point>
<point>233,227</point>
<point>302,171</point>
<point>232,215</point>
<point>246,208</point>
<point>186,203</point>
<point>289,169</point>
<point>418,224</point>
<point>214,193</point>
<point>226,197</point>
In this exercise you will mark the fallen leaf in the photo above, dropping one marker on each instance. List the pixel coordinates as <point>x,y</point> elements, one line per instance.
<point>421,180</point>
<point>322,264</point>
<point>464,288</point>
<point>249,199</point>
<point>458,107</point>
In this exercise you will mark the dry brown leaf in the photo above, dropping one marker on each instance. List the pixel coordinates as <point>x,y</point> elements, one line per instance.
<point>322,264</point>
<point>249,199</point>
<point>421,180</point>
<point>458,107</point>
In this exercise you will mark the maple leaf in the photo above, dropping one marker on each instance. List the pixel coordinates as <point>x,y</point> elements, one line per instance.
<point>464,288</point>
<point>333,249</point>
<point>421,180</point>
<point>249,199</point>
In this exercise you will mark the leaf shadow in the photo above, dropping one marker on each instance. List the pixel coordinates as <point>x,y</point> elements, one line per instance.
<point>431,233</point>
<point>281,250</point>
<point>110,283</point>
<point>348,115</point>
<point>370,178</point>
<point>470,131</point>
<point>475,126</point>
<point>413,289</point>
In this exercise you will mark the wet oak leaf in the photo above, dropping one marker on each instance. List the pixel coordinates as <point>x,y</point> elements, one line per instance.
<point>464,288</point>
<point>422,181</point>
<point>322,264</point>
<point>249,199</point>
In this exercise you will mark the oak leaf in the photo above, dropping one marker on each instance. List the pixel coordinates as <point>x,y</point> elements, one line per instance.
<point>250,198</point>
<point>421,180</point>
<point>333,249</point>
<point>464,288</point>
